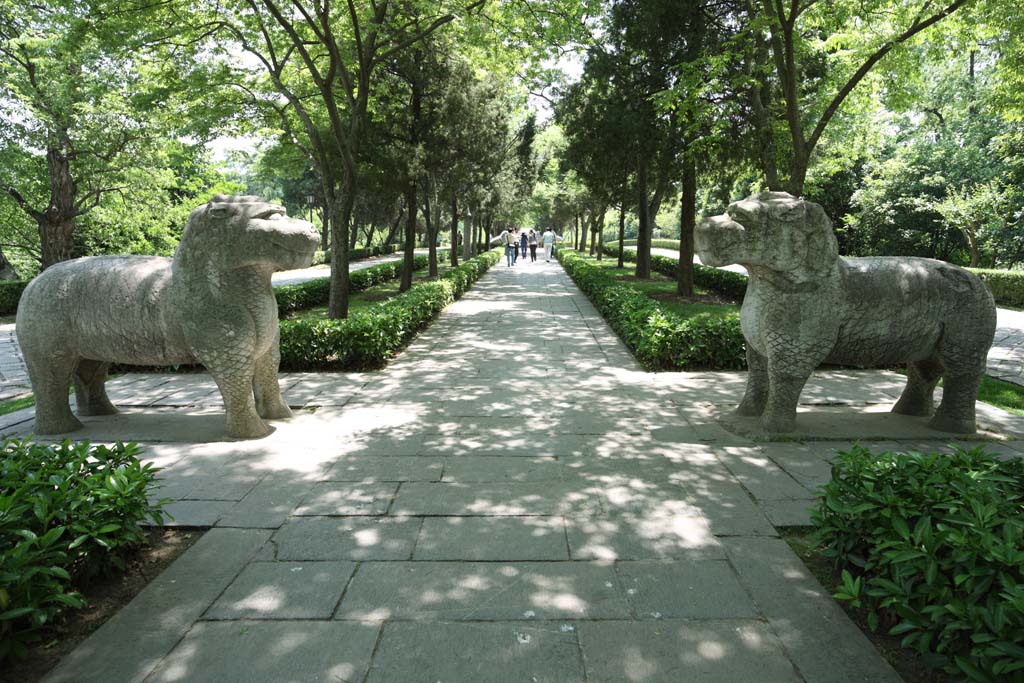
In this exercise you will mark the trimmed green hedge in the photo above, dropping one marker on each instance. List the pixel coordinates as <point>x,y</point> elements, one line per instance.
<point>1007,286</point>
<point>317,292</point>
<point>932,546</point>
<point>725,282</point>
<point>660,340</point>
<point>368,338</point>
<point>10,294</point>
<point>655,244</point>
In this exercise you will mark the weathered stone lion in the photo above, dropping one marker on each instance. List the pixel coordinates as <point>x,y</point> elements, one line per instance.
<point>211,304</point>
<point>806,306</point>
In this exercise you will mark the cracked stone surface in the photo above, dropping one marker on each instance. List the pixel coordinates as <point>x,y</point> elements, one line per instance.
<point>512,499</point>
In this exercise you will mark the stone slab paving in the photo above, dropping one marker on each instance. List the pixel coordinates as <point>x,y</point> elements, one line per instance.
<point>512,499</point>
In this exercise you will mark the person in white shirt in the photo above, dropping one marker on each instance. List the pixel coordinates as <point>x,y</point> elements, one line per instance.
<point>549,238</point>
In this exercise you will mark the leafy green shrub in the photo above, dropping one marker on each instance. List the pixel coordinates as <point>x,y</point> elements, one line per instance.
<point>10,294</point>
<point>726,282</point>
<point>932,545</point>
<point>660,340</point>
<point>68,512</point>
<point>368,338</point>
<point>1007,285</point>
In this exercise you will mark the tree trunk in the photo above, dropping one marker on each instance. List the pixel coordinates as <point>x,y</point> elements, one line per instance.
<point>454,251</point>
<point>622,232</point>
<point>431,236</point>
<point>687,223</point>
<point>600,234</point>
<point>409,247</point>
<point>353,238</point>
<point>643,241</point>
<point>467,237</point>
<point>393,230</point>
<point>56,223</point>
<point>341,215</point>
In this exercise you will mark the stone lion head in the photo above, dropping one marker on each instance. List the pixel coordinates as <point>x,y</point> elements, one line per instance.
<point>243,231</point>
<point>772,230</point>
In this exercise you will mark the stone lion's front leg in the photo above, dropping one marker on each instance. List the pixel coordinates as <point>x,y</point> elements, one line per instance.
<point>790,364</point>
<point>243,422</point>
<point>756,395</point>
<point>269,403</point>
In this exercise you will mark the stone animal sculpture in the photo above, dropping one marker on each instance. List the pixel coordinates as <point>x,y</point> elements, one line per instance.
<point>211,304</point>
<point>806,306</point>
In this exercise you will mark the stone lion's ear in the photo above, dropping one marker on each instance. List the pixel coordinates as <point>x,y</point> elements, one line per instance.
<point>822,246</point>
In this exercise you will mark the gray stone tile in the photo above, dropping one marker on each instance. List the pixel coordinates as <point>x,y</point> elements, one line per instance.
<point>760,475</point>
<point>642,537</point>
<point>818,636</point>
<point>491,652</point>
<point>483,468</point>
<point>268,504</point>
<point>283,590</point>
<point>385,468</point>
<point>667,589</point>
<point>240,651</point>
<point>347,538</point>
<point>200,513</point>
<point>162,613</point>
<point>475,591</point>
<point>499,500</point>
<point>508,442</point>
<point>729,509</point>
<point>347,499</point>
<point>789,512</point>
<point>492,539</point>
<point>673,652</point>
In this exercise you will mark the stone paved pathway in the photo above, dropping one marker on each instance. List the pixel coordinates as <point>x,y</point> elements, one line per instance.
<point>512,499</point>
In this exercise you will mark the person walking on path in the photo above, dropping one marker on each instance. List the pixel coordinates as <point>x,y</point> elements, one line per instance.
<point>533,246</point>
<point>509,240</point>
<point>523,239</point>
<point>549,240</point>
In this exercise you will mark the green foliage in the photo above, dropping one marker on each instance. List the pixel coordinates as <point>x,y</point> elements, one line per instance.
<point>1007,285</point>
<point>68,512</point>
<point>660,340</point>
<point>932,545</point>
<point>726,282</point>
<point>368,338</point>
<point>312,293</point>
<point>10,294</point>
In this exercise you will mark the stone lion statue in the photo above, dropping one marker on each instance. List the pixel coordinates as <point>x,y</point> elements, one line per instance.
<point>806,306</point>
<point>211,304</point>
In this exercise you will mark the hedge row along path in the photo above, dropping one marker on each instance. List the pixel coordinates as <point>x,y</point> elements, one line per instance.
<point>511,499</point>
<point>1005,359</point>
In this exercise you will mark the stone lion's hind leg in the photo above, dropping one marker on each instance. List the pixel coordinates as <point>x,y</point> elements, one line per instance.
<point>51,377</point>
<point>756,395</point>
<point>91,389</point>
<point>961,377</point>
<point>267,391</point>
<point>917,396</point>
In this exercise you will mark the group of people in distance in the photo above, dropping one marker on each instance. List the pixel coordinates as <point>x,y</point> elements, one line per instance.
<point>517,241</point>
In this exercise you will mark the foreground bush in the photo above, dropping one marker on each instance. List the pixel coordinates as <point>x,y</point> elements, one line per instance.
<point>368,338</point>
<point>931,546</point>
<point>68,512</point>
<point>725,282</point>
<point>660,340</point>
